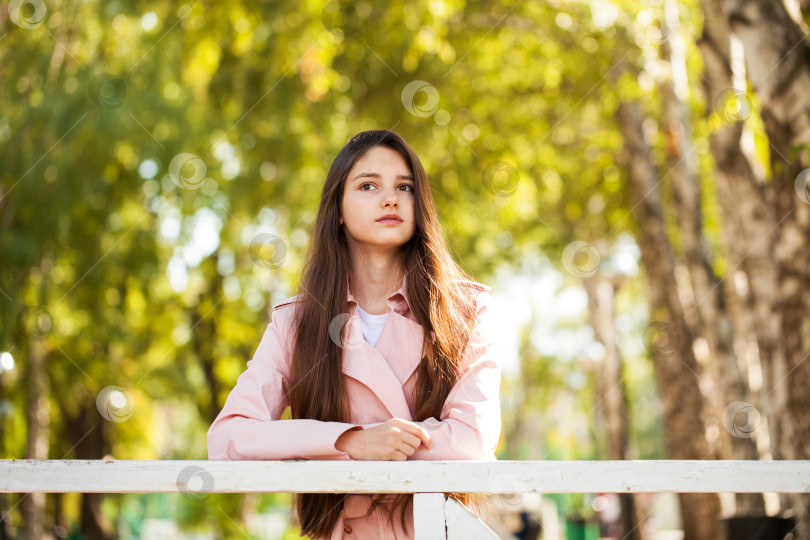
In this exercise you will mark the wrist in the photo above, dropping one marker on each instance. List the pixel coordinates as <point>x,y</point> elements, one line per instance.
<point>342,442</point>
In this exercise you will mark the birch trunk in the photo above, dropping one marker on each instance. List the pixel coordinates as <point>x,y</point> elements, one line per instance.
<point>777,58</point>
<point>671,340</point>
<point>748,219</point>
<point>709,308</point>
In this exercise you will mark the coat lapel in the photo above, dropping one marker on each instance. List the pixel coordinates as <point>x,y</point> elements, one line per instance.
<point>370,366</point>
<point>401,344</point>
<point>386,368</point>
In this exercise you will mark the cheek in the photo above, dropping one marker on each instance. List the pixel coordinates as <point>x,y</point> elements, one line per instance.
<point>355,209</point>
<point>349,204</point>
<point>411,209</point>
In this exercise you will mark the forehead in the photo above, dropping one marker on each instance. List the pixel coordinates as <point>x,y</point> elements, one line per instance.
<point>381,159</point>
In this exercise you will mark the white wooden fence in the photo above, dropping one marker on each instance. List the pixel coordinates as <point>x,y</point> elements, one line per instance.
<point>434,516</point>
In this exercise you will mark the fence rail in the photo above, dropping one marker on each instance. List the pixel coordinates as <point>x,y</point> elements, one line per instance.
<point>632,476</point>
<point>434,517</point>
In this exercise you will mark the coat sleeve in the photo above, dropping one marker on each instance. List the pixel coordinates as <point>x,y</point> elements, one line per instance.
<point>470,424</point>
<point>249,425</point>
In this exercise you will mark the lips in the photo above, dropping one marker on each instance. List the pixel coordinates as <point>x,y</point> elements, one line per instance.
<point>390,218</point>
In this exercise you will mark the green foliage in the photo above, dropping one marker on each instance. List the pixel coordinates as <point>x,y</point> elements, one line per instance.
<point>519,141</point>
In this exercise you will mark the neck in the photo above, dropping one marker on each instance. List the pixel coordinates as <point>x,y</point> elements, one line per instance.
<point>372,279</point>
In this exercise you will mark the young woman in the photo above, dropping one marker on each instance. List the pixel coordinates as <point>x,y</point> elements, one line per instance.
<point>385,353</point>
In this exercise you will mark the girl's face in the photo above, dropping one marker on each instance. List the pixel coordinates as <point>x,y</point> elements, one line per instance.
<point>379,183</point>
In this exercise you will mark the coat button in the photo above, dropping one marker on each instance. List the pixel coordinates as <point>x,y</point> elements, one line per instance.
<point>347,529</point>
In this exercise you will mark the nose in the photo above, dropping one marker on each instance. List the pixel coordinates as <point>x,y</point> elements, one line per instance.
<point>391,199</point>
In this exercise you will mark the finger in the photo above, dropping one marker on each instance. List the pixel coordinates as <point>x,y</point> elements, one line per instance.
<point>422,433</point>
<point>429,442</point>
<point>405,450</point>
<point>411,440</point>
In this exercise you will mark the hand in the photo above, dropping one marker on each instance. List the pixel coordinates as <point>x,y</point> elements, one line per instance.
<point>393,440</point>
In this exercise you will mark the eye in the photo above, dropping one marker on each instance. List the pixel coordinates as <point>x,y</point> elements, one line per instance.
<point>364,184</point>
<point>410,187</point>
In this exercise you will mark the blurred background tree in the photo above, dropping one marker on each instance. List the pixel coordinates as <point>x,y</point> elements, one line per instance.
<point>640,168</point>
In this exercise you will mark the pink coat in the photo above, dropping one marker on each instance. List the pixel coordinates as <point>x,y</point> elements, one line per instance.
<point>380,381</point>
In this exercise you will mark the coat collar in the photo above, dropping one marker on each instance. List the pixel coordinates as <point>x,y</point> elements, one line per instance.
<point>398,300</point>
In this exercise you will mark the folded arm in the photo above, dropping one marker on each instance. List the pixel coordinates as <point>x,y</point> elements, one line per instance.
<point>470,423</point>
<point>249,426</point>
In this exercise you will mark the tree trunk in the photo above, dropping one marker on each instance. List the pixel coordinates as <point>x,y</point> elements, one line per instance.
<point>777,58</point>
<point>669,338</point>
<point>746,206</point>
<point>805,7</point>
<point>612,397</point>
<point>86,431</point>
<point>5,528</point>
<point>204,336</point>
<point>7,319</point>
<point>37,419</point>
<point>709,309</point>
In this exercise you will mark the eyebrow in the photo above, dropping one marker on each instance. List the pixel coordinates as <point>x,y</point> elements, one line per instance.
<point>377,175</point>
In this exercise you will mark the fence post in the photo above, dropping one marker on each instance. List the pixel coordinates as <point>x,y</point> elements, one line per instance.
<point>428,516</point>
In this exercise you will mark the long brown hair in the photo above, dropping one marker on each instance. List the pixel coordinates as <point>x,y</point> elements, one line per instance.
<point>440,300</point>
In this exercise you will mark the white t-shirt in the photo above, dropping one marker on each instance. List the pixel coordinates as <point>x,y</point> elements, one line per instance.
<point>372,324</point>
